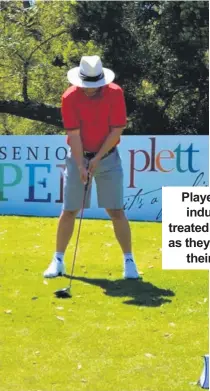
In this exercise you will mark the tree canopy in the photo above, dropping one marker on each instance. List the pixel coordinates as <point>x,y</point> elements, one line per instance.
<point>158,50</point>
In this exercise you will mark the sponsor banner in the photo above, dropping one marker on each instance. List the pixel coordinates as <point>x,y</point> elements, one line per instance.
<point>31,173</point>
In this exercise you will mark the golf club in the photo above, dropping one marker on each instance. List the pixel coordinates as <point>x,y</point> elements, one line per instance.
<point>66,292</point>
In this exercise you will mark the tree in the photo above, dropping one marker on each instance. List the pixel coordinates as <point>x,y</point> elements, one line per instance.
<point>158,50</point>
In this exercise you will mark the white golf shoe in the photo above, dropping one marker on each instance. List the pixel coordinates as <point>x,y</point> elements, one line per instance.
<point>130,269</point>
<point>55,269</point>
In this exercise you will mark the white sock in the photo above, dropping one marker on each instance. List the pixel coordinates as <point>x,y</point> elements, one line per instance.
<point>59,256</point>
<point>128,256</point>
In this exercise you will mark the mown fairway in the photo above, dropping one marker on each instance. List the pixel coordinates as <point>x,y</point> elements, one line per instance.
<point>112,335</point>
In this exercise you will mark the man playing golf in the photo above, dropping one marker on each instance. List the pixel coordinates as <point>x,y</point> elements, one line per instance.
<point>94,116</point>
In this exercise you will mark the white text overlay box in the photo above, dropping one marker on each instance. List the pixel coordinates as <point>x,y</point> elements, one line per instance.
<point>186,228</point>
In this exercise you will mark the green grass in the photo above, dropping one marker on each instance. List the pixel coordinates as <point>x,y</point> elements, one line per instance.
<point>112,335</point>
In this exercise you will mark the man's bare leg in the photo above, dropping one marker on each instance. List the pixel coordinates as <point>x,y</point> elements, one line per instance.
<point>123,236</point>
<point>64,234</point>
<point>65,229</point>
<point>121,229</point>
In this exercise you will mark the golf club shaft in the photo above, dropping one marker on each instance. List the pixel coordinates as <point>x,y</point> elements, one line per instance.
<point>79,228</point>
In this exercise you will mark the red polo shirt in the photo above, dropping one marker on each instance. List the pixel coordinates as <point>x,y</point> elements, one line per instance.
<point>94,116</point>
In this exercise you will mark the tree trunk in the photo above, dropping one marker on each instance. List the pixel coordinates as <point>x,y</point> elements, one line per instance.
<point>33,110</point>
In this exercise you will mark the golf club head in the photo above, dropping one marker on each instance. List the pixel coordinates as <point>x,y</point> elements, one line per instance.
<point>63,293</point>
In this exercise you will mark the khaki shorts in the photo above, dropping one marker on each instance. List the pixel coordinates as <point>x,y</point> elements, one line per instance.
<point>109,184</point>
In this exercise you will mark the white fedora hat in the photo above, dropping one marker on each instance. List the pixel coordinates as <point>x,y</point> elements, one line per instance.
<point>90,73</point>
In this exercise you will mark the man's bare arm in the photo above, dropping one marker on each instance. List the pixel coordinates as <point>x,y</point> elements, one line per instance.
<point>77,152</point>
<point>76,146</point>
<point>110,142</point>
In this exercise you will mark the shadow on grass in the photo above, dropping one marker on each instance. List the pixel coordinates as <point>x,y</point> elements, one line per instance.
<point>141,293</point>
